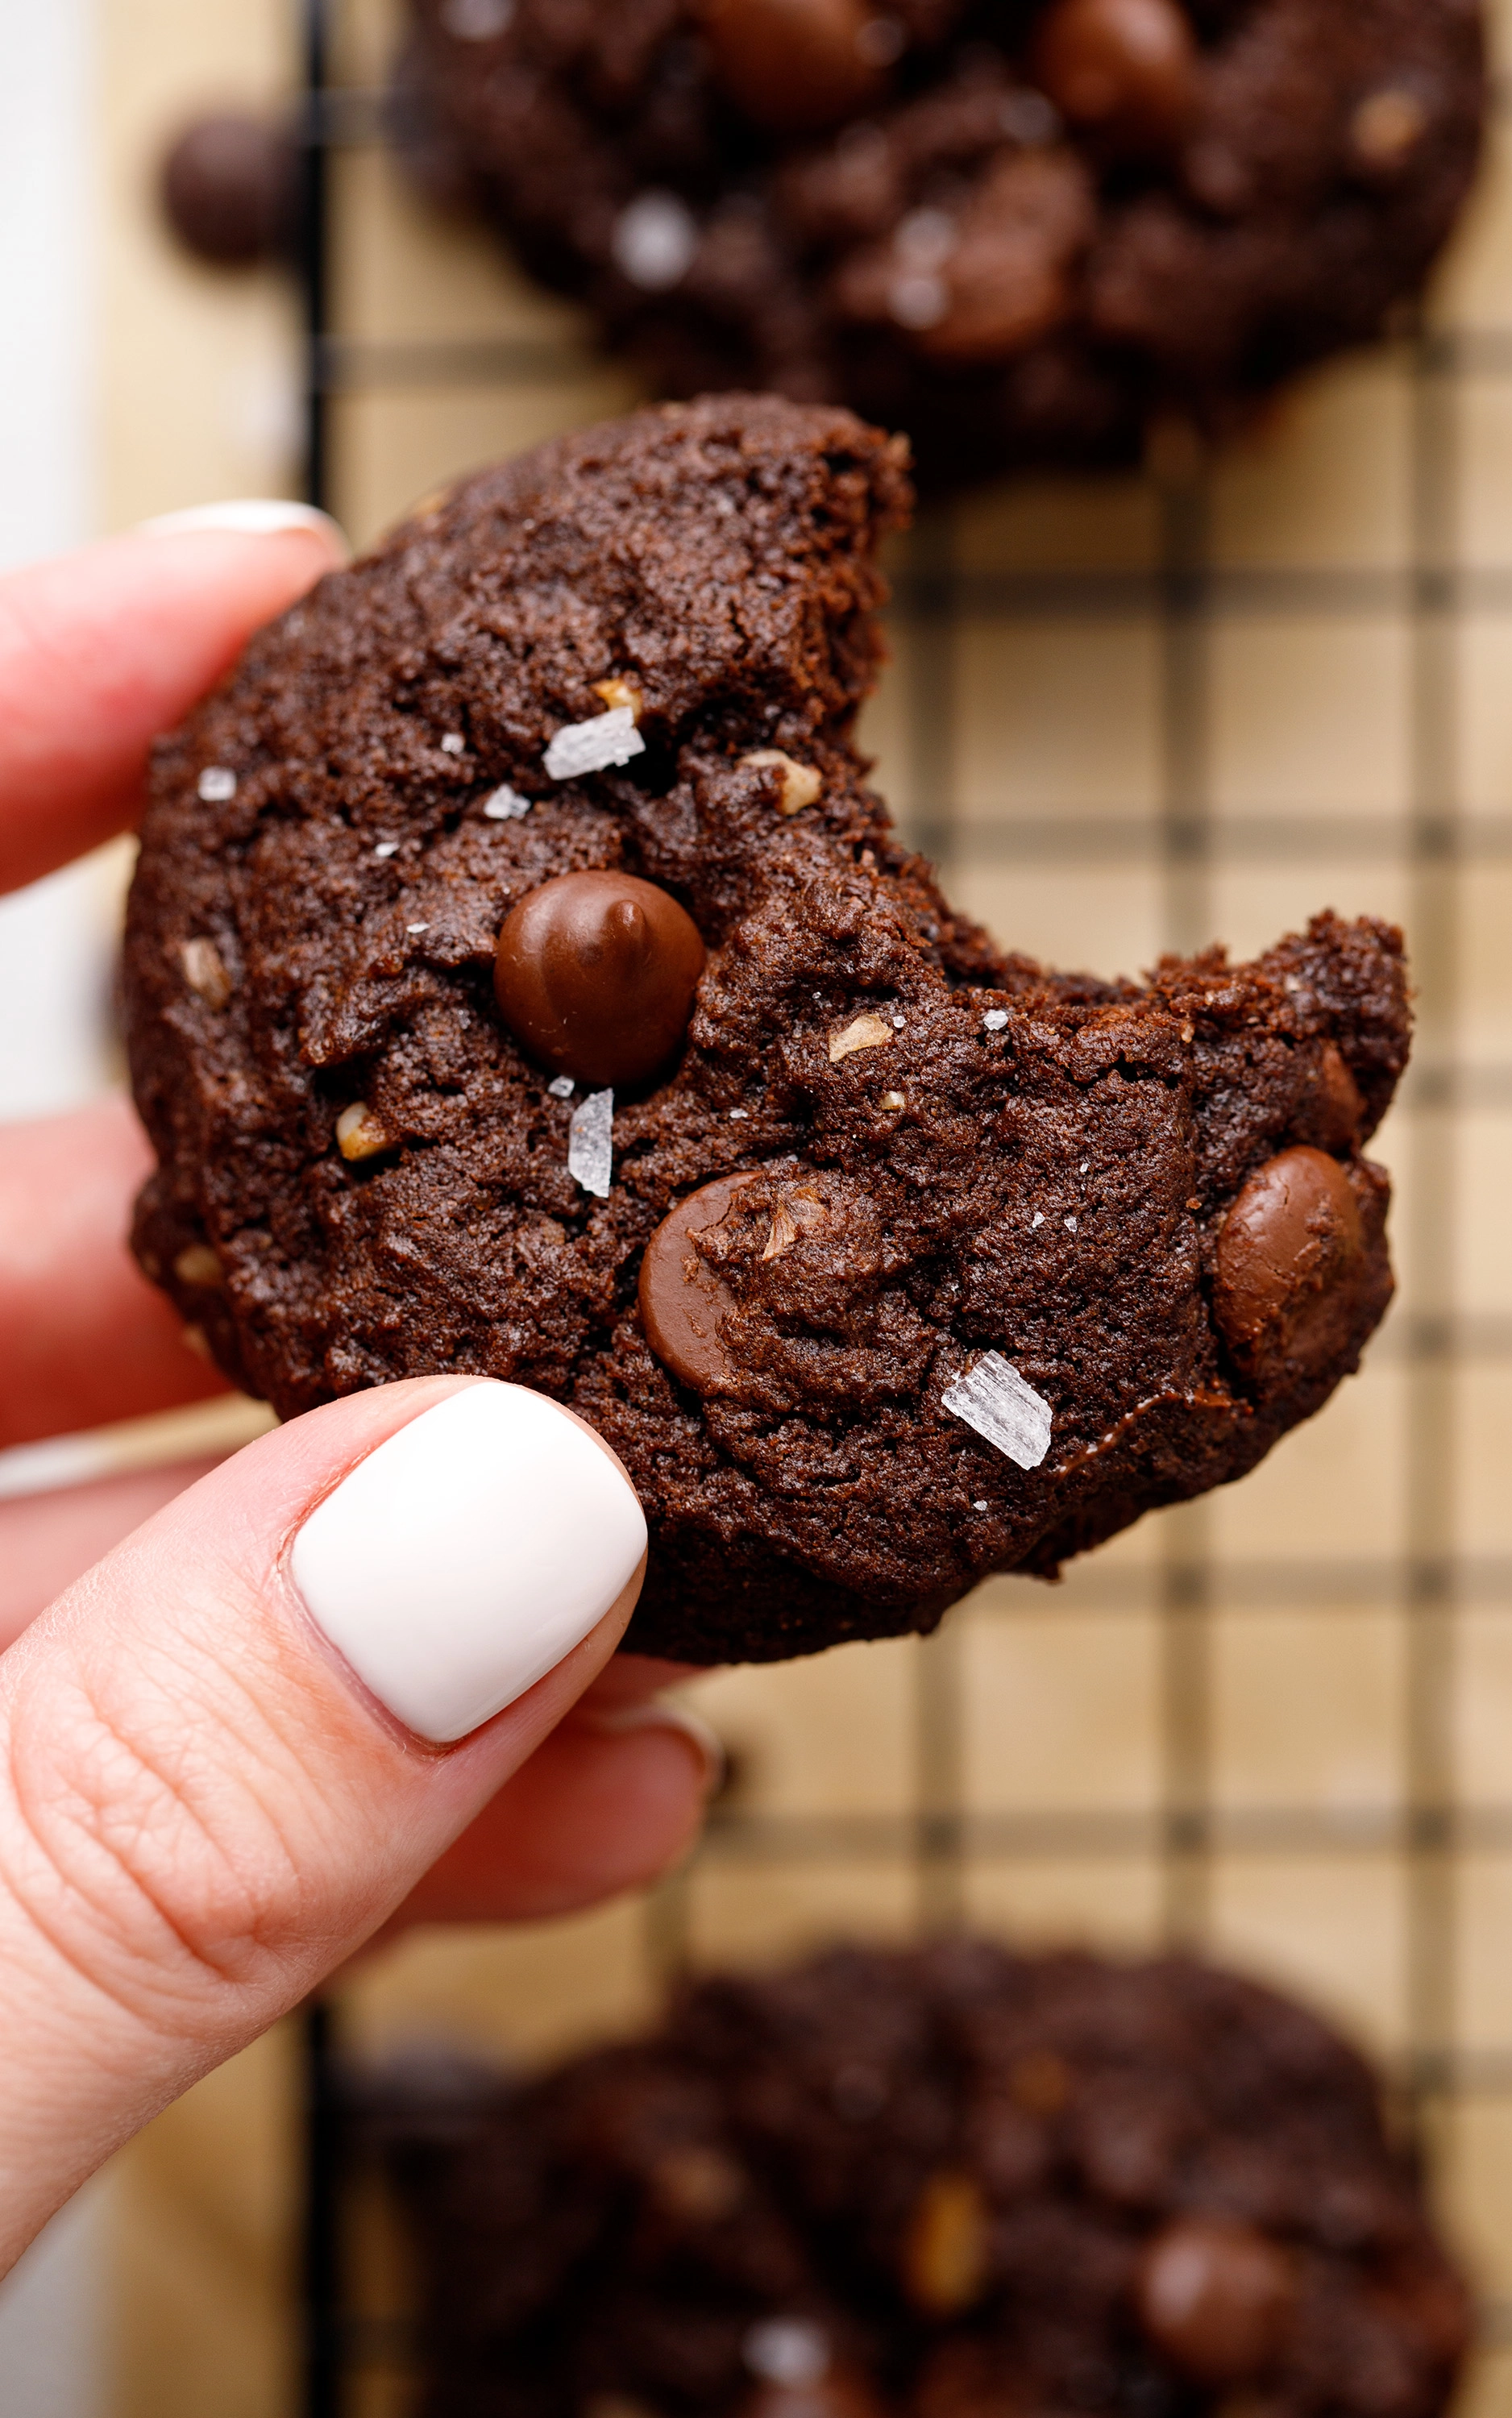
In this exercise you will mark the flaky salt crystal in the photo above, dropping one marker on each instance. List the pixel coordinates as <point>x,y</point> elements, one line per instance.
<point>791,2352</point>
<point>995,1018</point>
<point>216,784</point>
<point>453,743</point>
<point>593,746</point>
<point>506,806</point>
<point>993,1398</point>
<point>562,1087</point>
<point>654,239</point>
<point>590,1144</point>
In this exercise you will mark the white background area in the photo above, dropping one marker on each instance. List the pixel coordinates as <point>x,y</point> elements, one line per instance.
<point>53,953</point>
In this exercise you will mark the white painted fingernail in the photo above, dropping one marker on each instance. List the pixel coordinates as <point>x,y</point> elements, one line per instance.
<point>247,517</point>
<point>464,1558</point>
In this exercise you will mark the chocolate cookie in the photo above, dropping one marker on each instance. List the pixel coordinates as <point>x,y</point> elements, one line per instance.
<point>950,2184</point>
<point>522,978</point>
<point>1022,234</point>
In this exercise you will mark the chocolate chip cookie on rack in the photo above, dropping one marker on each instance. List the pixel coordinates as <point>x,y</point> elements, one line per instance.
<point>956,2184</point>
<point>1027,233</point>
<point>523,979</point>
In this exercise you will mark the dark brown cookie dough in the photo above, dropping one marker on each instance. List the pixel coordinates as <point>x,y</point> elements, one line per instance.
<point>1020,232</point>
<point>950,2184</point>
<point>985,1296</point>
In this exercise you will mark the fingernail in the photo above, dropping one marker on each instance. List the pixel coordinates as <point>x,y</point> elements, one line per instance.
<point>464,1558</point>
<point>247,516</point>
<point>659,1713</point>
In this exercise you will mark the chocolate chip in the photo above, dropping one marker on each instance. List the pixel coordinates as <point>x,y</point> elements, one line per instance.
<point>682,1300</point>
<point>838,2393</point>
<point>945,2251</point>
<point>1331,1111</point>
<point>595,975</point>
<point>1125,70</point>
<point>795,66</point>
<point>231,190</point>
<point>1291,1261</point>
<point>1214,2296</point>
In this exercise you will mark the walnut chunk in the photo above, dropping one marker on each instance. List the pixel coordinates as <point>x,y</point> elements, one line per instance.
<point>1040,2082</point>
<point>620,693</point>
<point>945,2251</point>
<point>867,1032</point>
<point>1387,125</point>
<point>798,1208</point>
<point>205,972</point>
<point>197,1264</point>
<point>696,2184</point>
<point>802,784</point>
<point>891,1103</point>
<point>360,1134</point>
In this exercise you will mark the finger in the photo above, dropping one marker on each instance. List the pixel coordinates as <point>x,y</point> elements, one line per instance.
<point>605,1804</point>
<point>104,648</point>
<point>226,1754</point>
<point>47,1541</point>
<point>83,1337</point>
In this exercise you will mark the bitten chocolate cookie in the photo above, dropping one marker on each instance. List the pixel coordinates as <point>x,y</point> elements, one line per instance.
<point>522,978</point>
<point>1022,234</point>
<point>950,2184</point>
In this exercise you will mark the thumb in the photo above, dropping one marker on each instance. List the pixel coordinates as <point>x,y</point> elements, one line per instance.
<point>227,1755</point>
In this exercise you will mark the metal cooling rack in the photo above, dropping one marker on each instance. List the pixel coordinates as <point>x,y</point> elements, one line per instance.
<point>1438,848</point>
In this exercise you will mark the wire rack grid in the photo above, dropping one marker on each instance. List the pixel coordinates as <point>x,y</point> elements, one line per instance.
<point>1122,716</point>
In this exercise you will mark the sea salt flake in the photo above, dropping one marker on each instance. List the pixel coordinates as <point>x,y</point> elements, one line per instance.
<point>654,239</point>
<point>979,1506</point>
<point>739,1114</point>
<point>417,927</point>
<point>918,302</point>
<point>562,1087</point>
<point>216,784</point>
<point>1071,1225</point>
<point>993,1398</point>
<point>898,1022</point>
<point>1082,1169</point>
<point>1038,1219</point>
<point>453,743</point>
<point>590,1144</point>
<point>995,1018</point>
<point>506,806</point>
<point>387,847</point>
<point>791,2352</point>
<point>593,746</point>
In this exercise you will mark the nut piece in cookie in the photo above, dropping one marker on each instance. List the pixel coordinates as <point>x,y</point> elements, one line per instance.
<point>595,973</point>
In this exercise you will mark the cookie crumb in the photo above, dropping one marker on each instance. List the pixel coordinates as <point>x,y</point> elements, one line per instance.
<point>198,1265</point>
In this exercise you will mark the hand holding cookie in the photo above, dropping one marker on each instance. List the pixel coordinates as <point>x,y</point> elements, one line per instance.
<point>348,1679</point>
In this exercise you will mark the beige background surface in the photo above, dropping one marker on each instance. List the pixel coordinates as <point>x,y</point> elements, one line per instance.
<point>1278,1721</point>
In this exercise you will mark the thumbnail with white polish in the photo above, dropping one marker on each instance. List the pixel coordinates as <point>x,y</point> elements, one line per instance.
<point>467,1555</point>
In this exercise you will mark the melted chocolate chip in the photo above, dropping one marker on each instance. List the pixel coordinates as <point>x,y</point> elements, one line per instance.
<point>795,66</point>
<point>231,190</point>
<point>595,973</point>
<point>1214,2296</point>
<point>1291,1259</point>
<point>1125,70</point>
<point>1331,1111</point>
<point>681,1299</point>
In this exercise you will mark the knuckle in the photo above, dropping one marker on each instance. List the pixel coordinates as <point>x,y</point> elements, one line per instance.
<point>150,1851</point>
